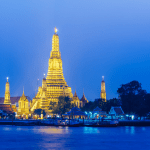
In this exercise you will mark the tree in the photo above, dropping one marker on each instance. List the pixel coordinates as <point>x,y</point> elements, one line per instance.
<point>39,112</point>
<point>112,102</point>
<point>132,98</point>
<point>105,106</point>
<point>64,105</point>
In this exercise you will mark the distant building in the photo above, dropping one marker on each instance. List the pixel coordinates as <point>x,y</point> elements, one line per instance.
<point>116,111</point>
<point>9,105</point>
<point>76,100</point>
<point>103,91</point>
<point>8,109</point>
<point>7,93</point>
<point>97,112</point>
<point>23,108</point>
<point>83,100</point>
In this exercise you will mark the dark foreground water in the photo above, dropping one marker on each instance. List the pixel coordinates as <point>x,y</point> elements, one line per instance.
<point>77,138</point>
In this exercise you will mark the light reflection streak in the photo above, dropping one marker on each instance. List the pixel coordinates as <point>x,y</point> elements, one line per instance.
<point>91,130</point>
<point>130,130</point>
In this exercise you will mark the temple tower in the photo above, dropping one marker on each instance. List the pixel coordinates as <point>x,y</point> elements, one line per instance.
<point>103,91</point>
<point>54,85</point>
<point>7,93</point>
<point>83,100</point>
<point>76,100</point>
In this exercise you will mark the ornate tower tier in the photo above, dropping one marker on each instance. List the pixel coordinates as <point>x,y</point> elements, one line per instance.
<point>103,91</point>
<point>7,93</point>
<point>54,85</point>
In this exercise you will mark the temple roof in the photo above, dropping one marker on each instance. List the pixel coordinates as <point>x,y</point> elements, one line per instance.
<point>83,99</point>
<point>13,100</point>
<point>14,108</point>
<point>6,108</point>
<point>75,112</point>
<point>97,109</point>
<point>118,110</point>
<point>75,94</point>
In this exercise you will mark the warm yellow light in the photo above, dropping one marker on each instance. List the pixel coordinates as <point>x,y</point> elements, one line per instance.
<point>55,30</point>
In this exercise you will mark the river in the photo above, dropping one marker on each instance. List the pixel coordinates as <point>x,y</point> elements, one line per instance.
<point>74,138</point>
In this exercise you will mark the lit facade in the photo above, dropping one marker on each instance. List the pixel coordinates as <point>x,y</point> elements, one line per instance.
<point>7,93</point>
<point>54,85</point>
<point>76,100</point>
<point>103,91</point>
<point>23,108</point>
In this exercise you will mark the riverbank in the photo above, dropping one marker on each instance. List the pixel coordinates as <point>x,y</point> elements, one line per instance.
<point>134,123</point>
<point>54,122</point>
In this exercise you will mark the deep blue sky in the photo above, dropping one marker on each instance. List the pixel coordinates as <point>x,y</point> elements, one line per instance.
<point>97,37</point>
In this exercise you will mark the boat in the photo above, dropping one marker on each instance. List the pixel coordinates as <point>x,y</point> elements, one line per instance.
<point>106,123</point>
<point>60,122</point>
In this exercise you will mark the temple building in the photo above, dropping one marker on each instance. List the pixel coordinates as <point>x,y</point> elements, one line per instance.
<point>14,105</point>
<point>5,102</point>
<point>103,91</point>
<point>76,100</point>
<point>54,85</point>
<point>23,108</point>
<point>83,100</point>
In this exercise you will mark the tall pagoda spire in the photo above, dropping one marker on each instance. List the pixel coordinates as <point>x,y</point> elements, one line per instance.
<point>103,91</point>
<point>23,95</point>
<point>56,84</point>
<point>7,93</point>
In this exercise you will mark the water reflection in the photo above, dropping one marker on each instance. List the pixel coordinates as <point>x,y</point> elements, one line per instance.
<point>62,138</point>
<point>6,128</point>
<point>91,130</point>
<point>50,130</point>
<point>143,128</point>
<point>130,129</point>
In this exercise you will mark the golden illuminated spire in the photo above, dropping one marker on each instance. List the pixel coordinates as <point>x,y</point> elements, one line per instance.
<point>7,93</point>
<point>55,29</point>
<point>75,94</point>
<point>103,91</point>
<point>44,83</point>
<point>23,95</point>
<point>54,85</point>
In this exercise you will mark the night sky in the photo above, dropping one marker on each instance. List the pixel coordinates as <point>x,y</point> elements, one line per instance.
<point>98,38</point>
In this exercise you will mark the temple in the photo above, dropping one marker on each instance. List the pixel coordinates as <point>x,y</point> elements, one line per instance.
<point>23,108</point>
<point>54,84</point>
<point>83,100</point>
<point>103,91</point>
<point>7,103</point>
<point>76,100</point>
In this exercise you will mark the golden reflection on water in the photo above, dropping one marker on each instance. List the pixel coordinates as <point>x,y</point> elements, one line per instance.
<point>56,130</point>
